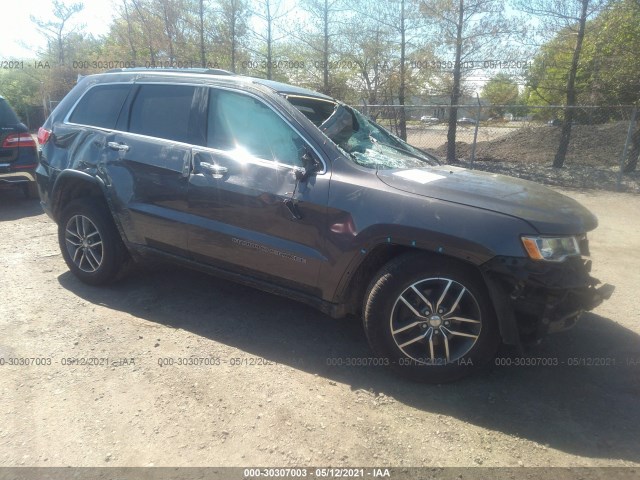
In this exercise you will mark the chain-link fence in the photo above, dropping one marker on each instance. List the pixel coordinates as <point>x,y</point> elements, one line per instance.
<point>604,141</point>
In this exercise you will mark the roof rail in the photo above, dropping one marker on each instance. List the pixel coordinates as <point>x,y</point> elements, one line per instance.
<point>208,71</point>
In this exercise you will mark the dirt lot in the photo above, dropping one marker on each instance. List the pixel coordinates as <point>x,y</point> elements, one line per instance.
<point>520,142</point>
<point>527,151</point>
<point>273,399</point>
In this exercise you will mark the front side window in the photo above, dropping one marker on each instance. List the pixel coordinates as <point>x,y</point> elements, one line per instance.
<point>240,123</point>
<point>163,111</point>
<point>100,106</point>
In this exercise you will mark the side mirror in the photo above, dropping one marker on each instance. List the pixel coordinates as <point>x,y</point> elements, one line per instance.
<point>300,173</point>
<point>311,165</point>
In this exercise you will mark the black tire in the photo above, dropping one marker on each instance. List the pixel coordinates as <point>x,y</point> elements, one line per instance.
<point>423,348</point>
<point>102,262</point>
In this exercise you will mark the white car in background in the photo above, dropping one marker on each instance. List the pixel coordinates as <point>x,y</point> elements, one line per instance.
<point>429,120</point>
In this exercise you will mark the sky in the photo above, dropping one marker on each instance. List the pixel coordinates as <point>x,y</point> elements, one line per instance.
<point>19,37</point>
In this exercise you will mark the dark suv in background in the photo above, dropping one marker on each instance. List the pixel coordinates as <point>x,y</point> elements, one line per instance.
<point>18,152</point>
<point>296,193</point>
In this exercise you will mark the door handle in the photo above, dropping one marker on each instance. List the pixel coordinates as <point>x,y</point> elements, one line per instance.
<point>121,147</point>
<point>216,170</point>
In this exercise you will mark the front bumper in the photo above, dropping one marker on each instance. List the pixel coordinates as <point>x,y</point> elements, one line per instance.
<point>534,298</point>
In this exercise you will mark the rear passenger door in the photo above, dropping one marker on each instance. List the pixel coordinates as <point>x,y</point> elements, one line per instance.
<point>238,188</point>
<point>150,165</point>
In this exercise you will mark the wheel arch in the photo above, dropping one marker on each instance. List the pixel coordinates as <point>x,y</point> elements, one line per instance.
<point>72,184</point>
<point>106,248</point>
<point>388,335</point>
<point>354,288</point>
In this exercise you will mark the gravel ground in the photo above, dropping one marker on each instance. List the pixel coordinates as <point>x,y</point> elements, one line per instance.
<point>271,397</point>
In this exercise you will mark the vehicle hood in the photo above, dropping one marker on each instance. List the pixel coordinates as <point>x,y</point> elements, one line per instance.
<point>546,210</point>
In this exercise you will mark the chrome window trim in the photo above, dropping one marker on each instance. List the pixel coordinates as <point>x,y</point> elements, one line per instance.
<point>229,154</point>
<point>166,140</point>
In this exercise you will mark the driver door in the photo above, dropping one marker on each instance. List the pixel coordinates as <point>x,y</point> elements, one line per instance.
<point>241,189</point>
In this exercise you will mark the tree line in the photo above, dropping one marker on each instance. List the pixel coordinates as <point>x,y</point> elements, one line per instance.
<point>532,52</point>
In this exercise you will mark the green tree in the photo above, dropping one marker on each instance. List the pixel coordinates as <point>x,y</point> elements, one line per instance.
<point>567,20</point>
<point>500,90</point>
<point>59,30</point>
<point>467,31</point>
<point>270,13</point>
<point>616,66</point>
<point>66,46</point>
<point>321,37</point>
<point>23,89</point>
<point>384,39</point>
<point>611,61</point>
<point>232,30</point>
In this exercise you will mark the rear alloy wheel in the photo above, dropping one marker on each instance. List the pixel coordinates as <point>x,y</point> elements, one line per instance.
<point>89,241</point>
<point>431,317</point>
<point>84,243</point>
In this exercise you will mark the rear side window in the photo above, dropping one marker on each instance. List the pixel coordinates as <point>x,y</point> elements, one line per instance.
<point>7,115</point>
<point>162,111</point>
<point>100,106</point>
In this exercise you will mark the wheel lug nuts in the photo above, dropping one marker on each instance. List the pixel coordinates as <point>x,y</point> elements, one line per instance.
<point>441,310</point>
<point>446,323</point>
<point>423,326</point>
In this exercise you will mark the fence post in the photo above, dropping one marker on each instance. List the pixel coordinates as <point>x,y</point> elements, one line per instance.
<point>623,156</point>
<point>475,133</point>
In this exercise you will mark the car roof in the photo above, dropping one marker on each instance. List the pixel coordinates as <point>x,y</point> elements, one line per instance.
<point>279,87</point>
<point>209,71</point>
<point>287,89</point>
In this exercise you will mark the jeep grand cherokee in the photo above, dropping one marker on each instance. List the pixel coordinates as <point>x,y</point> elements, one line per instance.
<point>294,192</point>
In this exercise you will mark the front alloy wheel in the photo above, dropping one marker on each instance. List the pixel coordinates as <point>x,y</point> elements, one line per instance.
<point>431,316</point>
<point>436,320</point>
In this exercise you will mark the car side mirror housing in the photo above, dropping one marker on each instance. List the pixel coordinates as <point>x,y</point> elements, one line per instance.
<point>300,173</point>
<point>311,165</point>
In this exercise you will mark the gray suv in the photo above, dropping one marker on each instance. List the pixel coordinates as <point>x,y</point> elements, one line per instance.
<point>291,191</point>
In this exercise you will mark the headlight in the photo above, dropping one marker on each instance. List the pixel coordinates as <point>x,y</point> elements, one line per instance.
<point>551,249</point>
